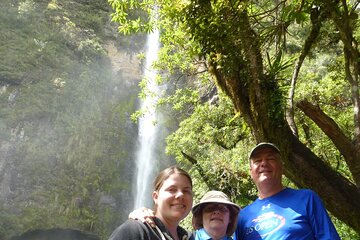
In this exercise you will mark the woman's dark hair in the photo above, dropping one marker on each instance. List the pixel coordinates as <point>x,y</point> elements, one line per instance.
<point>166,173</point>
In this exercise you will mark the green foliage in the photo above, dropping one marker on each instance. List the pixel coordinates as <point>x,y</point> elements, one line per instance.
<point>344,231</point>
<point>213,138</point>
<point>133,16</point>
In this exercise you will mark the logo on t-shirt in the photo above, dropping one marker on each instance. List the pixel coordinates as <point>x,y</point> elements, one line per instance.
<point>266,224</point>
<point>265,207</point>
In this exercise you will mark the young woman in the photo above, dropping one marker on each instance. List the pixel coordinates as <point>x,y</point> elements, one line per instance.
<point>172,198</point>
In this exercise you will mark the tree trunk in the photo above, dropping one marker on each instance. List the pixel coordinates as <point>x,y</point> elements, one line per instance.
<point>340,196</point>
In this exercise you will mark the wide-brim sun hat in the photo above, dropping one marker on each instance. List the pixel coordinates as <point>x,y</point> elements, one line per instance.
<point>214,197</point>
<point>261,146</point>
<point>219,198</point>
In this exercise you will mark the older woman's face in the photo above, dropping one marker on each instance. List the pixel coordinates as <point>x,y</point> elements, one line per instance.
<point>216,217</point>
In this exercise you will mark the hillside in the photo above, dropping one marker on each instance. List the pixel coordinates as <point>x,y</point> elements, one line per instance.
<point>69,83</point>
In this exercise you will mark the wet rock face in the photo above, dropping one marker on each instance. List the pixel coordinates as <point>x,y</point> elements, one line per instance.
<point>56,234</point>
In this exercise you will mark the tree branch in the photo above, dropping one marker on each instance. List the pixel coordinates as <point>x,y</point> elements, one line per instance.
<point>345,23</point>
<point>316,19</point>
<point>198,167</point>
<point>333,131</point>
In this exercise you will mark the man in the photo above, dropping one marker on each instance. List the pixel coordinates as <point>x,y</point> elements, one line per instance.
<point>280,212</point>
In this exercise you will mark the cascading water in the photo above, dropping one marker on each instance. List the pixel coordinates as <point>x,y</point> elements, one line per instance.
<point>147,129</point>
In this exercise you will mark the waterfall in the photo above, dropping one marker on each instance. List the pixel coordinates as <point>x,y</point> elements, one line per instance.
<point>145,161</point>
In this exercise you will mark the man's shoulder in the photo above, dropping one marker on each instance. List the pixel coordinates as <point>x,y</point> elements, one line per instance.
<point>295,195</point>
<point>301,191</point>
<point>254,205</point>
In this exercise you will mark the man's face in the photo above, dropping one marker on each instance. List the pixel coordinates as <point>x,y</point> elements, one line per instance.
<point>266,166</point>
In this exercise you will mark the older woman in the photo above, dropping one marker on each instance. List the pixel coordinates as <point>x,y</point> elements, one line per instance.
<point>172,197</point>
<point>215,217</point>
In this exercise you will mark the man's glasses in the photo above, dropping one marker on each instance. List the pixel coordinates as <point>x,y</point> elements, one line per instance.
<point>216,207</point>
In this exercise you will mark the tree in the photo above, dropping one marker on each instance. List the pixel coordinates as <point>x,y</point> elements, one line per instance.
<point>246,46</point>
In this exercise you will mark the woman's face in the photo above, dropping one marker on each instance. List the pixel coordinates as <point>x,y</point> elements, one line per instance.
<point>173,199</point>
<point>216,218</point>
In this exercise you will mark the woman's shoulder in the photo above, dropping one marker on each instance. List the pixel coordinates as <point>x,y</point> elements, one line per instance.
<point>133,229</point>
<point>184,234</point>
<point>132,224</point>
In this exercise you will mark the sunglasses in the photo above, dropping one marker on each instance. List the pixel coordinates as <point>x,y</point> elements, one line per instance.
<point>215,207</point>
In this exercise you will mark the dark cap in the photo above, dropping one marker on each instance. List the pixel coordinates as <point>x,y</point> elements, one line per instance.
<point>262,146</point>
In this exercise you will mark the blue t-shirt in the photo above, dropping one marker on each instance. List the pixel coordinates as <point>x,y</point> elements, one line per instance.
<point>201,234</point>
<point>289,214</point>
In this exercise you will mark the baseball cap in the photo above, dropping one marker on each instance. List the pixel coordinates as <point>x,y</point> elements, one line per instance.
<point>263,145</point>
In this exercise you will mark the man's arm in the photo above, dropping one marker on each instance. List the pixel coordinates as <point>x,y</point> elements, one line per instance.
<point>321,223</point>
<point>144,215</point>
